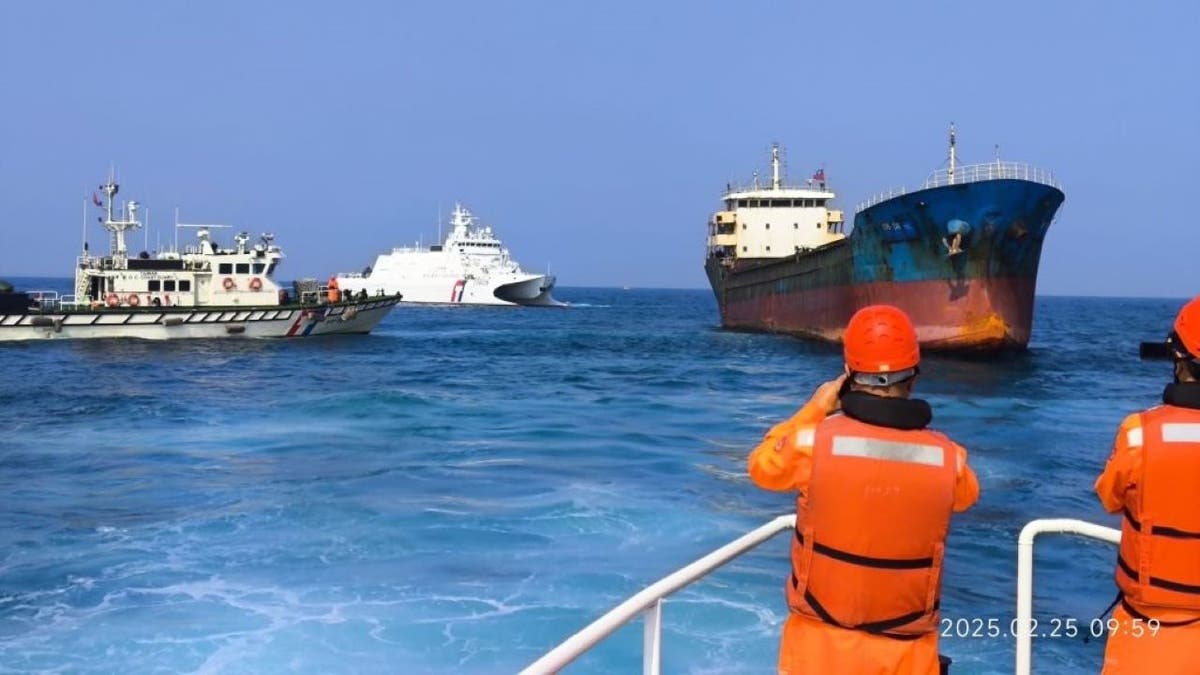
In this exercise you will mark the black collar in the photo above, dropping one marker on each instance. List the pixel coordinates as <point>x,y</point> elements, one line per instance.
<point>1182,394</point>
<point>894,413</point>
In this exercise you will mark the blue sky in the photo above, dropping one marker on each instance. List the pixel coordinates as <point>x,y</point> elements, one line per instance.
<point>595,137</point>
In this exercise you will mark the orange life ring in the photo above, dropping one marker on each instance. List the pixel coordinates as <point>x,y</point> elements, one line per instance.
<point>256,284</point>
<point>133,300</point>
<point>112,300</point>
<point>228,283</point>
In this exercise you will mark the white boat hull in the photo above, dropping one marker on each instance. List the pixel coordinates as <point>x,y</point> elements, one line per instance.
<point>214,322</point>
<point>527,289</point>
<point>533,292</point>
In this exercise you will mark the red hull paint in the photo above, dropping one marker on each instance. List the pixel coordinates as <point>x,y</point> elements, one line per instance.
<point>970,314</point>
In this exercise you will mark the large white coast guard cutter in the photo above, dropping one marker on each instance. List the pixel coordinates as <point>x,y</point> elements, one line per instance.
<point>470,267</point>
<point>201,291</point>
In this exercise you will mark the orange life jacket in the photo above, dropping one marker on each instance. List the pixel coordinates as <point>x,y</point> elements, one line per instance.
<point>871,530</point>
<point>1159,559</point>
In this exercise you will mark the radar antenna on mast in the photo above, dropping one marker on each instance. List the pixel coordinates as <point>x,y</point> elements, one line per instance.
<point>128,221</point>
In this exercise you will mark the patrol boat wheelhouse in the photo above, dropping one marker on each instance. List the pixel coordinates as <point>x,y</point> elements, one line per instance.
<point>471,267</point>
<point>204,291</point>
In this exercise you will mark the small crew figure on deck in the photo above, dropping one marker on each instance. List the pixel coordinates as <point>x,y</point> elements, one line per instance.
<point>876,491</point>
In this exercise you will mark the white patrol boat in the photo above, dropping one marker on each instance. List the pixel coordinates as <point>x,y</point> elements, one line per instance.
<point>471,267</point>
<point>203,291</point>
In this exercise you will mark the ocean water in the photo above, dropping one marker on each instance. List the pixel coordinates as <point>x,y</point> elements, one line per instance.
<point>466,487</point>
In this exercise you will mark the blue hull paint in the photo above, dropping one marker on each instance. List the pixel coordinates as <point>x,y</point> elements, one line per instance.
<point>898,253</point>
<point>1002,224</point>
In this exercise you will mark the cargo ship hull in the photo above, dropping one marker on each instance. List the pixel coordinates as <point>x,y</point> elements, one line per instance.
<point>899,253</point>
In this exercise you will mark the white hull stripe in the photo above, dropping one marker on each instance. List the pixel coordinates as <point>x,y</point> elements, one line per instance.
<point>1181,433</point>
<point>137,319</point>
<point>874,448</point>
<point>131,319</point>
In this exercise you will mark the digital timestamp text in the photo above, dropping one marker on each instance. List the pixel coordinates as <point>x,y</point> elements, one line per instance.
<point>1054,627</point>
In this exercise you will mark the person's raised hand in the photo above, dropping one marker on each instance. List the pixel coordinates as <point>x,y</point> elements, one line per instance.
<point>826,395</point>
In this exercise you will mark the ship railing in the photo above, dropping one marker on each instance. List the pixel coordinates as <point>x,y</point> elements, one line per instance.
<point>972,173</point>
<point>47,299</point>
<point>814,186</point>
<point>882,196</point>
<point>1025,541</point>
<point>71,302</point>
<point>649,601</point>
<point>93,262</point>
<point>53,300</point>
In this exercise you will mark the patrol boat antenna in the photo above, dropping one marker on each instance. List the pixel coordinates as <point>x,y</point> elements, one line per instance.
<point>128,221</point>
<point>202,233</point>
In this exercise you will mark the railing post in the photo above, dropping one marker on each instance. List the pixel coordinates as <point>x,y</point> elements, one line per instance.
<point>1025,573</point>
<point>652,640</point>
<point>1024,596</point>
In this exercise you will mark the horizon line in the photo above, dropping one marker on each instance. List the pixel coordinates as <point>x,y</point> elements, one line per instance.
<point>705,288</point>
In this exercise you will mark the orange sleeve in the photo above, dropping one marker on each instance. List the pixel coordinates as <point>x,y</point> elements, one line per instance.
<point>1123,465</point>
<point>778,463</point>
<point>966,488</point>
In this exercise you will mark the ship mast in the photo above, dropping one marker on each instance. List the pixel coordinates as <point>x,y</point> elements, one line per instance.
<point>950,174</point>
<point>776,181</point>
<point>118,227</point>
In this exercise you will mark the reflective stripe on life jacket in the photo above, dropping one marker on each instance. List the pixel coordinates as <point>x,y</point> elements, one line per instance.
<point>871,527</point>
<point>1159,559</point>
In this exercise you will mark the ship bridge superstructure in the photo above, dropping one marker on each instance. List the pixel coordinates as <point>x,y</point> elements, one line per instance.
<point>774,220</point>
<point>469,247</point>
<point>202,274</point>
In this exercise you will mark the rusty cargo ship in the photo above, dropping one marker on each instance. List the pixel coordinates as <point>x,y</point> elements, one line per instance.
<point>960,255</point>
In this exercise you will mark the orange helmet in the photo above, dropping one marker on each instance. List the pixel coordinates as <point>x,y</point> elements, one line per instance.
<point>881,339</point>
<point>1187,328</point>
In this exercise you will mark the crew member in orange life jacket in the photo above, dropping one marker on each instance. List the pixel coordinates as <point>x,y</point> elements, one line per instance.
<point>876,492</point>
<point>1153,479</point>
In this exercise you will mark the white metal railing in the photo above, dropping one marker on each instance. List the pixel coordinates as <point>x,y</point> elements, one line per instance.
<point>650,601</point>
<point>882,196</point>
<point>813,186</point>
<point>997,170</point>
<point>53,300</point>
<point>47,299</point>
<point>1025,572</point>
<point>972,173</point>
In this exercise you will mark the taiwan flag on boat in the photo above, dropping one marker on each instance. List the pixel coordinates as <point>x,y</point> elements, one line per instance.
<point>96,200</point>
<point>819,176</point>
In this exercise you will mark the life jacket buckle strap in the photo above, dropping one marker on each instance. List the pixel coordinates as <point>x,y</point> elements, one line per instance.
<point>868,561</point>
<point>1158,530</point>
<point>1129,609</point>
<point>1166,584</point>
<point>880,627</point>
